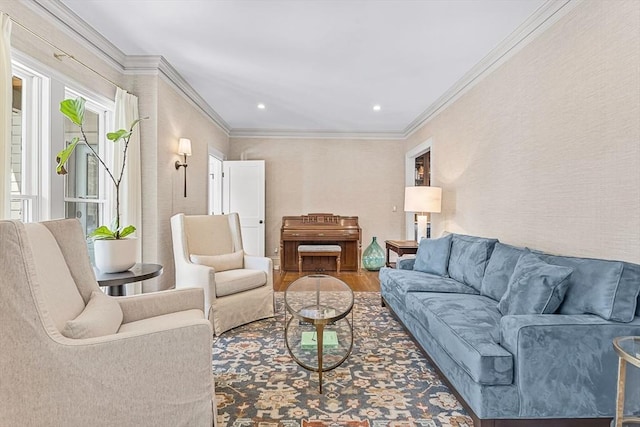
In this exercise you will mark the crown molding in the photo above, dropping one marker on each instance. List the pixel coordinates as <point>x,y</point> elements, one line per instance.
<point>79,30</point>
<point>315,134</point>
<point>64,18</point>
<point>545,16</point>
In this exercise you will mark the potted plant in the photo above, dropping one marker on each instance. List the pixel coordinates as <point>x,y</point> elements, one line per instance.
<point>114,252</point>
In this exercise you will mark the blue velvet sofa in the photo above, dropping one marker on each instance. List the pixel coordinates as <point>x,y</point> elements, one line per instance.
<point>519,335</point>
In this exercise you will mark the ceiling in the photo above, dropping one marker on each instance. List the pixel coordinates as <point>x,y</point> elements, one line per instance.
<point>316,65</point>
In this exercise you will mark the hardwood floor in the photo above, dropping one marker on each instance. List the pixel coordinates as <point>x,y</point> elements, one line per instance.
<point>365,281</point>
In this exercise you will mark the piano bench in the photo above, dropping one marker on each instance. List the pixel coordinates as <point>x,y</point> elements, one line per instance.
<point>319,250</point>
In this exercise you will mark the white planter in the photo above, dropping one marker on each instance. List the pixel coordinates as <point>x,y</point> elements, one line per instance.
<point>115,256</point>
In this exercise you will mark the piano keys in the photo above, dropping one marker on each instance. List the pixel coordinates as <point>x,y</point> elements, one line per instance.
<point>320,229</point>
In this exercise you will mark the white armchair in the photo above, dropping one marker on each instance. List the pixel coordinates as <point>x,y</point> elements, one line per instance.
<point>73,356</point>
<point>208,253</point>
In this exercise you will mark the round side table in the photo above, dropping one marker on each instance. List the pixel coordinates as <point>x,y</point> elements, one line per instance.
<point>115,281</point>
<point>628,349</point>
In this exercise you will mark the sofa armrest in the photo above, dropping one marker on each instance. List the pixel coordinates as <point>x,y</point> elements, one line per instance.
<point>405,262</point>
<point>138,307</point>
<point>570,356</point>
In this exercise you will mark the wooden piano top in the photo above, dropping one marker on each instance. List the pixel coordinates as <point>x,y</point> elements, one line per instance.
<point>320,225</point>
<point>314,220</point>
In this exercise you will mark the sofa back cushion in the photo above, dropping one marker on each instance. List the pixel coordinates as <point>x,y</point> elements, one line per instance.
<point>499,270</point>
<point>433,256</point>
<point>608,289</point>
<point>469,258</point>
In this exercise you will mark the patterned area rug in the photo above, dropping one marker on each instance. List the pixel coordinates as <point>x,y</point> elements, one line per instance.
<point>385,381</point>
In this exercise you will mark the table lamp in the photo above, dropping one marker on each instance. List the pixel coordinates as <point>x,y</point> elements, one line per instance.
<point>422,200</point>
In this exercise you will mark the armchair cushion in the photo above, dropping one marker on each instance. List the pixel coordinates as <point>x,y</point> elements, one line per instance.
<point>224,262</point>
<point>165,321</point>
<point>235,281</point>
<point>102,316</point>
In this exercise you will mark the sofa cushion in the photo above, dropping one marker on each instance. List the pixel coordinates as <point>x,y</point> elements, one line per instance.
<point>224,262</point>
<point>399,282</point>
<point>433,256</point>
<point>468,328</point>
<point>499,270</point>
<point>235,281</point>
<point>102,316</point>
<point>469,257</point>
<point>535,287</point>
<point>608,289</point>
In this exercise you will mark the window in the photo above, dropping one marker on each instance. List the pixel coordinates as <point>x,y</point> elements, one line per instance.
<point>27,143</point>
<point>39,131</point>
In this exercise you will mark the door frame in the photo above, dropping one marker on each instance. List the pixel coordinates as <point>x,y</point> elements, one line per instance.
<point>409,166</point>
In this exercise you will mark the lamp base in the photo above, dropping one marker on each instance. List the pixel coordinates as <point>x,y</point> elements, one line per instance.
<point>422,227</point>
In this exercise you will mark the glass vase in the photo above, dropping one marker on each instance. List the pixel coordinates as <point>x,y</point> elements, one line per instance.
<point>373,256</point>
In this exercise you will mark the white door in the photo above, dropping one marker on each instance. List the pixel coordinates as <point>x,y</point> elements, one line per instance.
<point>215,185</point>
<point>243,192</point>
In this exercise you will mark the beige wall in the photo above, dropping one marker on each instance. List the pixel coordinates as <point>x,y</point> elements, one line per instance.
<point>345,177</point>
<point>178,118</point>
<point>545,151</point>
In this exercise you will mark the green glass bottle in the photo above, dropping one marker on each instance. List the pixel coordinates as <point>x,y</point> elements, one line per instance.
<point>373,256</point>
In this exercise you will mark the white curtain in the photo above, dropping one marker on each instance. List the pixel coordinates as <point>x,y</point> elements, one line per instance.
<point>5,114</point>
<point>130,189</point>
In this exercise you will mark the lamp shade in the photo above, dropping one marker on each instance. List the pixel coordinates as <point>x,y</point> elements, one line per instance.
<point>184,147</point>
<point>422,199</point>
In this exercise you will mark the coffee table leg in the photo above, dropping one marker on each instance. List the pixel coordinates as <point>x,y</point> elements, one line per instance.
<point>320,335</point>
<point>622,371</point>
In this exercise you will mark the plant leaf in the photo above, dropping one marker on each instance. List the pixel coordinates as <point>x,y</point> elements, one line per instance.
<point>127,231</point>
<point>102,233</point>
<point>135,122</point>
<point>73,109</point>
<point>118,135</point>
<point>64,155</point>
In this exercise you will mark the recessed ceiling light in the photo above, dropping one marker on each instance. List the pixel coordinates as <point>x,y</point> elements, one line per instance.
<point>377,107</point>
<point>261,106</point>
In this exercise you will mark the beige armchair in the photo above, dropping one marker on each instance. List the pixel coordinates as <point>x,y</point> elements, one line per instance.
<point>208,253</point>
<point>73,356</point>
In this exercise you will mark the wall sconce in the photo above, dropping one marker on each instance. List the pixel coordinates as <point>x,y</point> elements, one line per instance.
<point>184,149</point>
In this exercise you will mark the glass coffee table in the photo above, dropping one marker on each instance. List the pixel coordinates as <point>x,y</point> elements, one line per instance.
<point>628,349</point>
<point>319,335</point>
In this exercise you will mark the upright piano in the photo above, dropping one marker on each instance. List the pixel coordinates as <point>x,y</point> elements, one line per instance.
<point>320,229</point>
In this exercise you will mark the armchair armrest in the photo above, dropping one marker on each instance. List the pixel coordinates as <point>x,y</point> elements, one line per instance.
<point>567,355</point>
<point>260,263</point>
<point>138,307</point>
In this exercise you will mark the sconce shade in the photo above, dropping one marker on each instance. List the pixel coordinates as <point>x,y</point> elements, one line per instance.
<point>422,199</point>
<point>184,147</point>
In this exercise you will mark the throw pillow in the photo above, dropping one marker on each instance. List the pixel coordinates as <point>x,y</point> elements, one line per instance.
<point>433,256</point>
<point>535,287</point>
<point>499,270</point>
<point>232,261</point>
<point>102,316</point>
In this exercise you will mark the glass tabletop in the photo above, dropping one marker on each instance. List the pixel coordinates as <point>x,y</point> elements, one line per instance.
<point>318,298</point>
<point>628,348</point>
